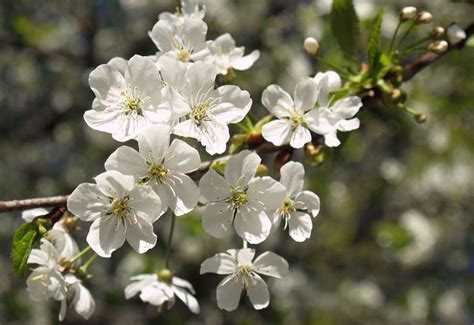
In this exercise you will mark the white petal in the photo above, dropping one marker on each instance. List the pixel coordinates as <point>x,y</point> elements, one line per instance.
<point>119,64</point>
<point>156,293</point>
<point>105,121</point>
<point>65,245</point>
<point>300,225</point>
<point>317,121</point>
<point>62,310</point>
<point>144,75</point>
<point>309,201</point>
<point>277,101</point>
<point>241,168</point>
<point>87,202</point>
<point>221,263</point>
<point>200,77</point>
<point>183,194</point>
<point>145,202</point>
<point>38,256</point>
<point>172,70</point>
<point>271,264</point>
<point>31,214</point>
<point>154,141</point>
<point>277,132</point>
<point>105,79</point>
<point>242,256</point>
<point>213,186</point>
<point>188,299</point>
<point>127,161</point>
<point>140,235</point>
<point>306,94</point>
<point>347,107</point>
<point>348,125</point>
<point>228,293</point>
<point>161,35</point>
<point>258,292</point>
<point>234,104</point>
<point>247,61</point>
<point>331,140</point>
<point>266,193</point>
<point>253,226</point>
<point>138,283</point>
<point>300,137</point>
<point>214,136</point>
<point>106,236</point>
<point>217,219</point>
<point>84,303</point>
<point>188,129</point>
<point>292,177</point>
<point>113,184</point>
<point>181,157</point>
<point>183,284</point>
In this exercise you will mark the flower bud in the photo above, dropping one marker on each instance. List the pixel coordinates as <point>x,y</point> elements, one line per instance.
<point>455,34</point>
<point>311,46</point>
<point>438,32</point>
<point>407,13</point>
<point>424,17</point>
<point>262,170</point>
<point>438,46</point>
<point>420,118</point>
<point>334,80</point>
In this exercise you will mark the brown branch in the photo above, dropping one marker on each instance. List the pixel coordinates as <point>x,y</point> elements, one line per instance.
<point>411,69</point>
<point>17,205</point>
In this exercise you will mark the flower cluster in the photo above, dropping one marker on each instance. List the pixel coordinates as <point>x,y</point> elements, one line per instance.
<point>57,274</point>
<point>175,93</point>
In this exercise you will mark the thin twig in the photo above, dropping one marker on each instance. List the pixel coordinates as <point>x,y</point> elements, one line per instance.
<point>17,205</point>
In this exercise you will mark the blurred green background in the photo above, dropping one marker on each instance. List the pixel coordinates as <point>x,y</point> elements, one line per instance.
<point>394,241</point>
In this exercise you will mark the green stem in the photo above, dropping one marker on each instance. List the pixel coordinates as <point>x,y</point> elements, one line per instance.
<point>412,46</point>
<point>170,239</point>
<point>413,24</point>
<point>89,262</point>
<point>79,255</point>
<point>244,244</point>
<point>394,36</point>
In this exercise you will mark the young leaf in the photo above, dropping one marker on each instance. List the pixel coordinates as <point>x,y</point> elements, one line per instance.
<point>373,50</point>
<point>345,26</point>
<point>23,240</point>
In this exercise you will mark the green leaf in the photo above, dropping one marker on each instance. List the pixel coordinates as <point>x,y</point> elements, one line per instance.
<point>345,26</point>
<point>373,50</point>
<point>23,240</point>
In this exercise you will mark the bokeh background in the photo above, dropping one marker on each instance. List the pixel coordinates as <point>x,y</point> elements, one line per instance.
<point>394,241</point>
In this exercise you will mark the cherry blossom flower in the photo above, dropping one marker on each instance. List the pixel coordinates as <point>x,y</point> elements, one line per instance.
<point>119,211</point>
<point>63,242</point>
<point>226,56</point>
<point>241,199</point>
<point>126,101</point>
<point>298,206</point>
<point>162,166</point>
<point>79,297</point>
<point>327,120</point>
<point>243,274</point>
<point>189,9</point>
<point>31,214</point>
<point>46,281</point>
<point>334,82</point>
<point>292,125</point>
<point>210,110</point>
<point>162,287</point>
<point>185,40</point>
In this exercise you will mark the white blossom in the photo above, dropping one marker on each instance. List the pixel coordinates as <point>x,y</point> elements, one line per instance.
<point>31,214</point>
<point>334,81</point>
<point>292,125</point>
<point>240,199</point>
<point>209,109</point>
<point>226,56</point>
<point>162,166</point>
<point>79,296</point>
<point>184,39</point>
<point>298,206</point>
<point>455,34</point>
<point>126,101</point>
<point>119,211</point>
<point>61,239</point>
<point>243,274</point>
<point>157,291</point>
<point>189,9</point>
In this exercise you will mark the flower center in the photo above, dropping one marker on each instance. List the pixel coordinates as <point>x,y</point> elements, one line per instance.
<point>296,120</point>
<point>157,172</point>
<point>287,206</point>
<point>120,209</point>
<point>183,55</point>
<point>238,198</point>
<point>132,104</point>
<point>244,274</point>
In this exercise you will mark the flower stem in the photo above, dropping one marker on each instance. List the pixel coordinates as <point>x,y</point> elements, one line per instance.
<point>80,254</point>
<point>244,244</point>
<point>170,239</point>
<point>394,36</point>
<point>89,262</point>
<point>413,24</point>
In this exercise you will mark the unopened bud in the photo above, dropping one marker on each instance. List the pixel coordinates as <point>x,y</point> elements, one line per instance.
<point>424,17</point>
<point>262,170</point>
<point>165,275</point>
<point>438,32</point>
<point>407,13</point>
<point>438,46</point>
<point>455,34</point>
<point>396,94</point>
<point>420,118</point>
<point>311,46</point>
